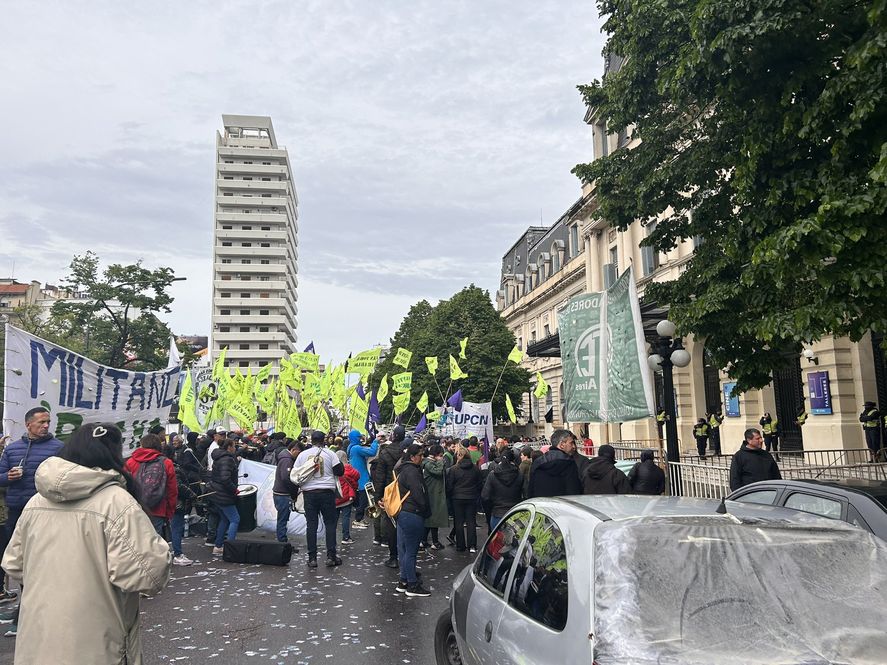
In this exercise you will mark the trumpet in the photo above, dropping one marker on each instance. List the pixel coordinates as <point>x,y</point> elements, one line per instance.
<point>373,511</point>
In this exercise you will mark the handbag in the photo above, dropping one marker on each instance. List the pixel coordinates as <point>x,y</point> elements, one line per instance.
<point>305,471</point>
<point>298,506</point>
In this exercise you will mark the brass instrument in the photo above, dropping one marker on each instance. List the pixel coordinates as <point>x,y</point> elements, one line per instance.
<point>373,511</point>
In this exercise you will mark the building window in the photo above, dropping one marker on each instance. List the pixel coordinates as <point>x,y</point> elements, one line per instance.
<point>614,258</point>
<point>266,228</point>
<point>263,328</point>
<point>547,330</point>
<point>265,244</point>
<point>244,312</point>
<point>244,328</point>
<point>264,278</point>
<point>246,261</point>
<point>265,262</point>
<point>227,194</point>
<point>264,295</point>
<point>574,240</point>
<point>263,347</point>
<point>246,244</point>
<point>246,228</point>
<point>263,312</point>
<point>649,255</point>
<point>244,295</point>
<point>229,161</point>
<point>225,295</point>
<point>226,278</point>
<point>227,227</point>
<point>225,312</point>
<point>224,328</point>
<point>555,260</point>
<point>266,163</point>
<point>246,278</point>
<point>228,177</point>
<point>246,177</point>
<point>226,243</point>
<point>243,363</point>
<point>266,179</point>
<point>226,260</point>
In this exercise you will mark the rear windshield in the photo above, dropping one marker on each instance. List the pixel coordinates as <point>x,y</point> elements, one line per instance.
<point>697,590</point>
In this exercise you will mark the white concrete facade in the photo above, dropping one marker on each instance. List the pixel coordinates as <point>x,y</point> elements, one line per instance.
<point>255,245</point>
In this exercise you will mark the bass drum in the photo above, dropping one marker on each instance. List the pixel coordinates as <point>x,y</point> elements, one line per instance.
<point>246,507</point>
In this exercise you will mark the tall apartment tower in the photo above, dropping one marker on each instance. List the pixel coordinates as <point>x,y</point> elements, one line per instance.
<point>255,245</point>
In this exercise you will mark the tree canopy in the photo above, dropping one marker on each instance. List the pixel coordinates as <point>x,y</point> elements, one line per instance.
<point>763,135</point>
<point>436,331</point>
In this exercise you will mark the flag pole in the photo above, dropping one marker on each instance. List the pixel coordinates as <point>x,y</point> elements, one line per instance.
<point>498,380</point>
<point>442,398</point>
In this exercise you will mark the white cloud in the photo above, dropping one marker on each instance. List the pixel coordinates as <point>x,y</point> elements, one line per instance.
<point>424,138</point>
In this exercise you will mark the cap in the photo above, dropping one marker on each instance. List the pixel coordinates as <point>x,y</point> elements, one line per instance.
<point>317,436</point>
<point>220,430</point>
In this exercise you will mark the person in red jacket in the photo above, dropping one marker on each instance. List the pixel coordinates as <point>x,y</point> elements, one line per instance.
<point>348,482</point>
<point>150,482</point>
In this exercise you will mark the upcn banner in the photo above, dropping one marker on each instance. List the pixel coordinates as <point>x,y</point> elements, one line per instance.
<point>475,419</point>
<point>77,390</point>
<point>604,356</point>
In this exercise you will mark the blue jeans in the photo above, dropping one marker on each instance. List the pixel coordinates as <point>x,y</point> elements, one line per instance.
<point>317,503</point>
<point>282,503</point>
<point>494,522</point>
<point>410,531</point>
<point>345,518</point>
<point>229,519</point>
<point>158,523</point>
<point>177,526</point>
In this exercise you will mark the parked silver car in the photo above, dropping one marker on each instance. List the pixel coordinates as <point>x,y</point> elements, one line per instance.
<point>643,580</point>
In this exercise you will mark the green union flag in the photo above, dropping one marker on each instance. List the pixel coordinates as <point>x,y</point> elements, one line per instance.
<point>606,378</point>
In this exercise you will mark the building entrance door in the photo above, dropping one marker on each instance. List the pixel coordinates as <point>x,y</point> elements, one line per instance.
<point>711,378</point>
<point>789,391</point>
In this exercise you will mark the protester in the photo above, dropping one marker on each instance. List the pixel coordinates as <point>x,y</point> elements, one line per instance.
<point>348,487</point>
<point>751,463</point>
<point>555,473</point>
<point>320,497</point>
<point>359,454</point>
<point>526,461</point>
<point>383,474</point>
<point>646,477</point>
<point>185,498</point>
<point>602,476</point>
<point>223,484</point>
<point>433,473</point>
<point>84,550</point>
<point>411,520</point>
<point>18,466</point>
<point>503,487</point>
<point>284,490</point>
<point>155,478</point>
<point>464,485</point>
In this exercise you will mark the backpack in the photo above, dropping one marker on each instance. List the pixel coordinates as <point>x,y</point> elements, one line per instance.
<point>150,479</point>
<point>392,498</point>
<point>270,457</point>
<point>305,471</point>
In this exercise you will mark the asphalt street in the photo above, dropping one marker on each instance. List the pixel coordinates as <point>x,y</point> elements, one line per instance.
<point>217,612</point>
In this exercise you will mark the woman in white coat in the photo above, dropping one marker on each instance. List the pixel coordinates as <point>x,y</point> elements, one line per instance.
<point>84,550</point>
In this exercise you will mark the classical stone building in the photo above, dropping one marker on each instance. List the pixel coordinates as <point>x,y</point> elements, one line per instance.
<point>576,254</point>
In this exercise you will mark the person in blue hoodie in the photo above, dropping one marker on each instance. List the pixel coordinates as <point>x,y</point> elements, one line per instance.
<point>359,453</point>
<point>18,465</point>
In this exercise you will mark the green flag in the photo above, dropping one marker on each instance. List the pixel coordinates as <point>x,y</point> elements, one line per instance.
<point>402,357</point>
<point>541,386</point>
<point>462,344</point>
<point>510,408</point>
<point>431,363</point>
<point>455,370</point>
<point>187,404</point>
<point>402,382</point>
<point>422,404</point>
<point>382,392</point>
<point>401,402</point>
<point>364,362</point>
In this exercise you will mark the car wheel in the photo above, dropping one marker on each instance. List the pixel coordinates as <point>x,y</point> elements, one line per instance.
<point>446,649</point>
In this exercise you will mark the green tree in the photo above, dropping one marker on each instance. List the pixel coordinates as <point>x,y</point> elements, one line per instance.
<point>436,331</point>
<point>115,322</point>
<point>763,134</point>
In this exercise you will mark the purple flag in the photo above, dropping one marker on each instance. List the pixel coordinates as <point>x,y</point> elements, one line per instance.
<point>374,413</point>
<point>423,423</point>
<point>309,348</point>
<point>455,400</point>
<point>360,391</point>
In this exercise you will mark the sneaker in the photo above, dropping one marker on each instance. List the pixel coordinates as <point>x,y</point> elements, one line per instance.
<point>12,632</point>
<point>401,587</point>
<point>422,547</point>
<point>312,563</point>
<point>359,525</point>
<point>8,617</point>
<point>417,590</point>
<point>218,551</point>
<point>379,543</point>
<point>210,543</point>
<point>181,560</point>
<point>347,541</point>
<point>438,546</point>
<point>472,550</point>
<point>333,561</point>
<point>7,597</point>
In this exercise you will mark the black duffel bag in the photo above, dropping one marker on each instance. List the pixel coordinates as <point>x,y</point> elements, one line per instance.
<point>269,552</point>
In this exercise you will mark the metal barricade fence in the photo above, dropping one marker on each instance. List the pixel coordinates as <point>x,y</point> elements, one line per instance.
<point>632,449</point>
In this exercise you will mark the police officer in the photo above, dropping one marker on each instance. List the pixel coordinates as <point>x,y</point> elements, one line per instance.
<point>714,425</point>
<point>700,433</point>
<point>871,426</point>
<point>770,430</point>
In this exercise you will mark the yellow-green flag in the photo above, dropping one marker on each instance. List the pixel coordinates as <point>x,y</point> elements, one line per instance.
<point>402,383</point>
<point>309,361</point>
<point>455,371</point>
<point>359,411</point>
<point>422,404</point>
<point>431,362</point>
<point>382,392</point>
<point>364,362</point>
<point>401,402</point>
<point>462,344</point>
<point>219,365</point>
<point>510,408</point>
<point>187,404</point>
<point>319,420</point>
<point>516,355</point>
<point>264,373</point>
<point>541,386</point>
<point>402,357</point>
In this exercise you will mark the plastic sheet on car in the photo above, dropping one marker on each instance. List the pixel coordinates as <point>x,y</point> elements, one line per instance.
<point>688,591</point>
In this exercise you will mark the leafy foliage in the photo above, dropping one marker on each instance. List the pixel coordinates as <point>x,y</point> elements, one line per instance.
<point>436,331</point>
<point>763,132</point>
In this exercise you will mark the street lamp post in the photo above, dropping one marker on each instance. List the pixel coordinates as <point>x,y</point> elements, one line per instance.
<point>667,352</point>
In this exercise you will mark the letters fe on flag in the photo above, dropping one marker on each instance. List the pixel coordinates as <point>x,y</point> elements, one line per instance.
<point>510,407</point>
<point>402,357</point>
<point>431,362</point>
<point>78,390</point>
<point>606,377</point>
<point>455,371</point>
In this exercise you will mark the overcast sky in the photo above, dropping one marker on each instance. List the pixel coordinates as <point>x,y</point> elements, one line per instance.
<point>424,138</point>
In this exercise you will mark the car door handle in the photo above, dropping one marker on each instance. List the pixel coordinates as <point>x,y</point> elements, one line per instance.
<point>488,631</point>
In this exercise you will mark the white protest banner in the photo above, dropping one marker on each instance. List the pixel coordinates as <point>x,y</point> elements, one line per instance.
<point>76,390</point>
<point>262,476</point>
<point>475,419</point>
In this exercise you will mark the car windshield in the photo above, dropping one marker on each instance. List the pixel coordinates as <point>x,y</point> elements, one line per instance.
<point>717,590</point>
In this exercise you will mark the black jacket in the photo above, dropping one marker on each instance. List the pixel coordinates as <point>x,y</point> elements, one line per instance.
<point>750,465</point>
<point>503,488</point>
<point>186,496</point>
<point>464,481</point>
<point>223,480</point>
<point>282,483</point>
<point>409,478</point>
<point>602,477</point>
<point>554,474</point>
<point>382,472</point>
<point>646,478</point>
